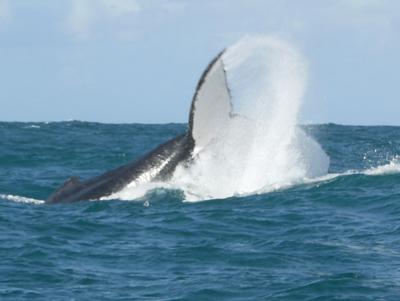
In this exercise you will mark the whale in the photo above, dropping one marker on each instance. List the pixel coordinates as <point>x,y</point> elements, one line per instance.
<point>211,106</point>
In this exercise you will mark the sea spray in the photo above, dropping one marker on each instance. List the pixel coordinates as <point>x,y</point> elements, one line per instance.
<point>261,148</point>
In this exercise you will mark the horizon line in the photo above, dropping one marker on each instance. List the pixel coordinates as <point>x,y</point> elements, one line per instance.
<point>182,123</point>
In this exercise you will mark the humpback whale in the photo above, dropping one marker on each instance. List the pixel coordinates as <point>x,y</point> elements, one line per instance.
<point>211,106</point>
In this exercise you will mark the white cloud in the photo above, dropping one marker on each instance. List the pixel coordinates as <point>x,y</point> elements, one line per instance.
<point>85,15</point>
<point>362,3</point>
<point>80,18</point>
<point>174,7</point>
<point>368,15</point>
<point>5,11</point>
<point>118,8</point>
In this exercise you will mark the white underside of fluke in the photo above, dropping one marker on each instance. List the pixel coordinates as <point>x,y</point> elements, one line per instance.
<point>212,107</point>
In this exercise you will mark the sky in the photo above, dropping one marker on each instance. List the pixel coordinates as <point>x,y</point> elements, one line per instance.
<point>138,61</point>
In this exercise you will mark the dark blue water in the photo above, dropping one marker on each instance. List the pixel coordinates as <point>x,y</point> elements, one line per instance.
<point>336,239</point>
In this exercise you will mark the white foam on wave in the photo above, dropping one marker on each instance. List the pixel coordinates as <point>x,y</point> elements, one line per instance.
<point>260,149</point>
<point>21,199</point>
<point>392,167</point>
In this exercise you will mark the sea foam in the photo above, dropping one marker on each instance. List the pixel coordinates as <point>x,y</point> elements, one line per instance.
<point>21,199</point>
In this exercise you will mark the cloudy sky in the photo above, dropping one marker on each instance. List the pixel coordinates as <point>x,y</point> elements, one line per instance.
<point>139,60</point>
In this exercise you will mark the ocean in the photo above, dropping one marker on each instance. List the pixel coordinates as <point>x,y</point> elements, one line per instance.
<point>332,237</point>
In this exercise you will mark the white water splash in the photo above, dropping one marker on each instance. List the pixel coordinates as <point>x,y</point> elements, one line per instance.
<point>21,199</point>
<point>262,148</point>
<point>392,167</point>
<point>32,126</point>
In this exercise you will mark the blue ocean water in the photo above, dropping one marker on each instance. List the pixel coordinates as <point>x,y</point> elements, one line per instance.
<point>337,238</point>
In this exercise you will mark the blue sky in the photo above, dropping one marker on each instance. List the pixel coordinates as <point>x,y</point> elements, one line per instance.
<point>139,60</point>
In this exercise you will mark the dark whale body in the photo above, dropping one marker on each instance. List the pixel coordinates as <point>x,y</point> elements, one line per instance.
<point>210,106</point>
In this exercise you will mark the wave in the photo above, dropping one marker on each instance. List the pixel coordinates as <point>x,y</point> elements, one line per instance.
<point>21,199</point>
<point>392,167</point>
<point>32,126</point>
